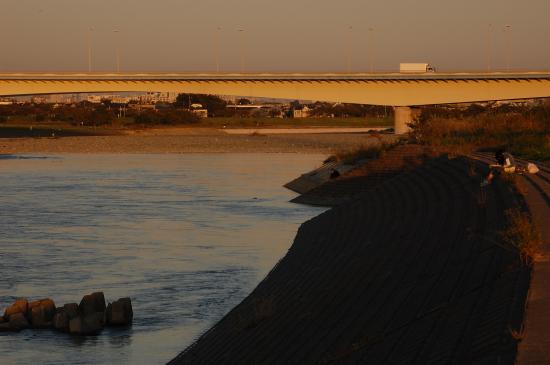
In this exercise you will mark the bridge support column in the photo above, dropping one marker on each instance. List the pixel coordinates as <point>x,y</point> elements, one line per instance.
<point>403,115</point>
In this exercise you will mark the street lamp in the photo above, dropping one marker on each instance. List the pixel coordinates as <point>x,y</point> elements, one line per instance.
<point>117,31</point>
<point>371,46</point>
<point>507,31</point>
<point>90,30</point>
<point>348,51</point>
<point>489,46</point>
<point>218,48</point>
<point>241,39</point>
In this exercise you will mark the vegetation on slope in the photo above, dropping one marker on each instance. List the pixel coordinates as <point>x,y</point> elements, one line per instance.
<point>525,131</point>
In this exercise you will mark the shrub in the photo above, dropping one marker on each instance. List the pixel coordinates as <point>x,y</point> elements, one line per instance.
<point>525,133</point>
<point>522,233</point>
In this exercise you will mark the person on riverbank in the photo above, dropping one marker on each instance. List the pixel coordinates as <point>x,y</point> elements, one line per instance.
<point>505,163</point>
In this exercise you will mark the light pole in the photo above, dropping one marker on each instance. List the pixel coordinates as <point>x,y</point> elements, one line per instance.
<point>489,46</point>
<point>507,31</point>
<point>241,40</point>
<point>348,51</point>
<point>371,46</point>
<point>117,31</point>
<point>90,30</point>
<point>218,48</point>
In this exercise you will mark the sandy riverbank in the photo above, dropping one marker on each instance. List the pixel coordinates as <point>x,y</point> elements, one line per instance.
<point>190,141</point>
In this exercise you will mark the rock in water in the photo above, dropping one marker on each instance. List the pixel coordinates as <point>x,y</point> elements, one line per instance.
<point>120,313</point>
<point>41,313</point>
<point>4,325</point>
<point>90,324</point>
<point>18,322</point>
<point>61,320</point>
<point>92,303</point>
<point>90,315</point>
<point>93,323</point>
<point>20,306</point>
<point>75,326</point>
<point>71,309</point>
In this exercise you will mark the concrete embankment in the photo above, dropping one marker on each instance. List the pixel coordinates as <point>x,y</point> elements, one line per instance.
<point>412,270</point>
<point>535,338</point>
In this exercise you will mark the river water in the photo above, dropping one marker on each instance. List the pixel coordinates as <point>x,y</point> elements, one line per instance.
<point>187,237</point>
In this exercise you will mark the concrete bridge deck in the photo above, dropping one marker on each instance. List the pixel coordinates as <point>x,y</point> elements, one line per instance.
<point>399,90</point>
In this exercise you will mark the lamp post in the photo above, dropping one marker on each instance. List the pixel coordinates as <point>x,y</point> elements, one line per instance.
<point>489,46</point>
<point>117,31</point>
<point>371,51</point>
<point>348,51</point>
<point>90,30</point>
<point>218,48</point>
<point>241,40</point>
<point>507,31</point>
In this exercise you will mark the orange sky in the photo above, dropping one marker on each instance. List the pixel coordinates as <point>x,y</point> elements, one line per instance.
<point>282,35</point>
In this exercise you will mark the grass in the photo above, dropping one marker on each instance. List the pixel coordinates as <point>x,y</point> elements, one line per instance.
<point>522,234</point>
<point>365,152</point>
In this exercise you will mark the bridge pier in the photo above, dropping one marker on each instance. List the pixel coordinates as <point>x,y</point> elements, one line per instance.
<point>403,115</point>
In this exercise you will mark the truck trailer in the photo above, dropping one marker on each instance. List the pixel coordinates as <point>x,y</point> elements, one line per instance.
<point>415,68</point>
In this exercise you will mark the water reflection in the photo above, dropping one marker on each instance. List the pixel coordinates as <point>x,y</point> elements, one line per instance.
<point>185,236</point>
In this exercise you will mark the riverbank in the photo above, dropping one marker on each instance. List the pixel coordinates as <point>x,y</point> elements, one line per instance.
<point>191,140</point>
<point>412,270</point>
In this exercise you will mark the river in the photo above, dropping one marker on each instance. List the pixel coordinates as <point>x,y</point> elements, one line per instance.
<point>186,236</point>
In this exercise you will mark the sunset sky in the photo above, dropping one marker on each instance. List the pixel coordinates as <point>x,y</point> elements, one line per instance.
<point>283,35</point>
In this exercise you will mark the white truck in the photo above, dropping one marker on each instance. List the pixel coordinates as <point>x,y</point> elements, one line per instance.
<point>415,68</point>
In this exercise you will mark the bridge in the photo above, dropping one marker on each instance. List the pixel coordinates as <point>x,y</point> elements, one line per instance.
<point>404,92</point>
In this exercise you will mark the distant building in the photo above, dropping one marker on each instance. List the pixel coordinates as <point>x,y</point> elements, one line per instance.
<point>302,111</point>
<point>158,97</point>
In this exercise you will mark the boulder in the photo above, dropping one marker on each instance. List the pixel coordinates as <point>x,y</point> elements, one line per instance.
<point>71,309</point>
<point>75,325</point>
<point>94,323</point>
<point>90,324</point>
<point>20,306</point>
<point>41,313</point>
<point>61,320</point>
<point>120,313</point>
<point>92,303</point>
<point>18,322</point>
<point>4,325</point>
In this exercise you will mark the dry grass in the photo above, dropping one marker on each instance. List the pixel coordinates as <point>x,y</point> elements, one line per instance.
<point>523,234</point>
<point>516,335</point>
<point>354,155</point>
<point>525,135</point>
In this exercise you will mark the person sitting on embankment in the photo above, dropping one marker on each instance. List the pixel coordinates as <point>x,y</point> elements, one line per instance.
<point>506,164</point>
